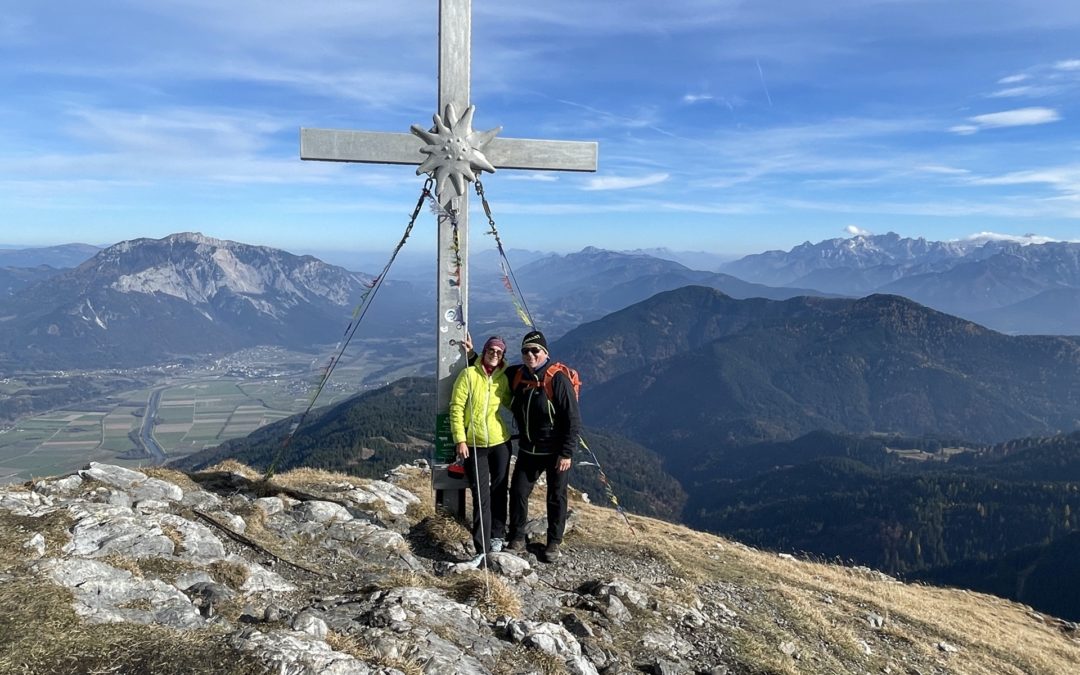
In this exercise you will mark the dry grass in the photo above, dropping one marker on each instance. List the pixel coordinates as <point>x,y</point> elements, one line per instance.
<point>52,639</point>
<point>171,475</point>
<point>304,477</point>
<point>166,569</point>
<point>993,636</point>
<point>122,562</point>
<point>173,535</point>
<point>443,531</point>
<point>233,466</point>
<point>233,575</point>
<point>522,659</point>
<point>16,531</point>
<point>348,644</point>
<point>487,592</point>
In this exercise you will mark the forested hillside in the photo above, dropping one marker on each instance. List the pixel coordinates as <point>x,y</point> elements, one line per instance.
<point>374,432</point>
<point>996,518</point>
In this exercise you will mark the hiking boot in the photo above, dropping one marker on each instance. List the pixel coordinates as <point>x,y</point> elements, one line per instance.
<point>550,553</point>
<point>497,544</point>
<point>479,562</point>
<point>516,544</point>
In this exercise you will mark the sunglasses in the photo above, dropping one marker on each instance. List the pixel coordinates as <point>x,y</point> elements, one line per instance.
<point>531,350</point>
<point>493,350</point>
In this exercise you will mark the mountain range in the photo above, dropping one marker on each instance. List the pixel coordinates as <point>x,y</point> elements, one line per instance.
<point>1012,286</point>
<point>860,428</point>
<point>149,300</point>
<point>691,370</point>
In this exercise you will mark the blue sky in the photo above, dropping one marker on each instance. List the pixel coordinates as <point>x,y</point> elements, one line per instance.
<point>730,127</point>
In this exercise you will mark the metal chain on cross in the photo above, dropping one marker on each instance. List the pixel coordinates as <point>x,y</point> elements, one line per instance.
<point>523,313</point>
<point>522,308</point>
<point>358,314</point>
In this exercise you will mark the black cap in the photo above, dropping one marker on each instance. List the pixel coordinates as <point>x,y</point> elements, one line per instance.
<point>534,339</point>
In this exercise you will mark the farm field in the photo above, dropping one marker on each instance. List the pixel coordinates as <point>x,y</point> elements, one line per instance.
<point>197,409</point>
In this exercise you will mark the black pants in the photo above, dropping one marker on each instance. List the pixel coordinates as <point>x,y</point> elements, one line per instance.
<point>526,472</point>
<point>489,504</point>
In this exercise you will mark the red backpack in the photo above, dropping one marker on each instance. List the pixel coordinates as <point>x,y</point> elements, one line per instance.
<point>548,383</point>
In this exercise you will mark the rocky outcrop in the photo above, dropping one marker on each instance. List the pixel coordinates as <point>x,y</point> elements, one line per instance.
<point>324,574</point>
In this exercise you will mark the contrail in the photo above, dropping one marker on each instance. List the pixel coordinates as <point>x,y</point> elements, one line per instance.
<point>764,86</point>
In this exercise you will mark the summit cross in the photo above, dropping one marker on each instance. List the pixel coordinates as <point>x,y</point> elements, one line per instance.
<point>484,152</point>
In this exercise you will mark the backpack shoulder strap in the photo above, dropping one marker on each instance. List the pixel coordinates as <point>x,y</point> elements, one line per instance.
<point>549,378</point>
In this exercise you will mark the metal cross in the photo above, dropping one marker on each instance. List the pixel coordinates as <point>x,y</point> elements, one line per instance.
<point>333,145</point>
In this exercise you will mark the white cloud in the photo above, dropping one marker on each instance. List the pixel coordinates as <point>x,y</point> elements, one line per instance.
<point>533,176</point>
<point>1025,239</point>
<point>1019,117</point>
<point>1026,90</point>
<point>1012,79</point>
<point>696,98</point>
<point>625,182</point>
<point>1064,178</point>
<point>946,170</point>
<point>856,231</point>
<point>1070,64</point>
<point>964,129</point>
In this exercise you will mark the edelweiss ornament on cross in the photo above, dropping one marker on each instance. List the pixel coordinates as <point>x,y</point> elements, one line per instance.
<point>454,150</point>
<point>452,153</point>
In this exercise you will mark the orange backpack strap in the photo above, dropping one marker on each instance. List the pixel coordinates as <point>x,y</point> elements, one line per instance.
<point>571,377</point>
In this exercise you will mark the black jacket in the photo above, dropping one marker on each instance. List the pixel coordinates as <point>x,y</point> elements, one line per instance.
<point>544,427</point>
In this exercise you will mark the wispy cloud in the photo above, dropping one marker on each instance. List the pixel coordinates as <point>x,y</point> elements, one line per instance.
<point>944,170</point>
<point>625,182</point>
<point>857,231</point>
<point>1065,178</point>
<point>532,176</point>
<point>1071,64</point>
<point>1026,90</point>
<point>1024,239</point>
<point>761,76</point>
<point>696,98</point>
<point>1013,79</point>
<point>1019,117</point>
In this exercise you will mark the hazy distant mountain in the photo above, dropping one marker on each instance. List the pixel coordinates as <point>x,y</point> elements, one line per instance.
<point>1053,312</point>
<point>695,260</point>
<point>691,370</point>
<point>1013,274</point>
<point>566,290</point>
<point>14,279</point>
<point>63,256</point>
<point>148,299</point>
<point>987,280</point>
<point>861,252</point>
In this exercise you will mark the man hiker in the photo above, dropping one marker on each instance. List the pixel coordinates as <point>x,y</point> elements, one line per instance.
<point>545,408</point>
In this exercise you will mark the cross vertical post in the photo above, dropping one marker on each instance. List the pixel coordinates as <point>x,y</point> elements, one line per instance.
<point>455,54</point>
<point>441,154</point>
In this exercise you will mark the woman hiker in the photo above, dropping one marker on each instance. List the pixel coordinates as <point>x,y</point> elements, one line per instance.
<point>482,441</point>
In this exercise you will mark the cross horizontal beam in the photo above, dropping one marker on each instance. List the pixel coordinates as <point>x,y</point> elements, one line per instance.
<point>376,147</point>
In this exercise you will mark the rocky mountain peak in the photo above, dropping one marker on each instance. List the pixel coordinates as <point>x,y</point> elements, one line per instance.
<point>196,238</point>
<point>196,293</point>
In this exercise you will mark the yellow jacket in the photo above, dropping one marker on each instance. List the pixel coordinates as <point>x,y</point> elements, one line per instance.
<point>474,406</point>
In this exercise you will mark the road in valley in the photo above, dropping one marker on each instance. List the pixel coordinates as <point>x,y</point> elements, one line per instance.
<point>146,432</point>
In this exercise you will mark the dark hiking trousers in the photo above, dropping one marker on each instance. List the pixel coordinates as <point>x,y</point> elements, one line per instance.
<point>489,505</point>
<point>526,472</point>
